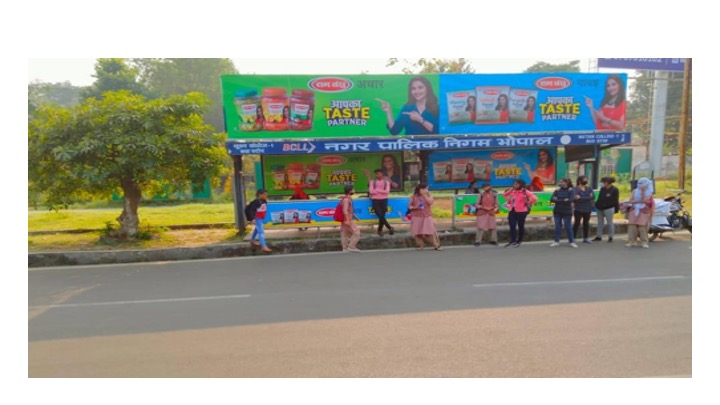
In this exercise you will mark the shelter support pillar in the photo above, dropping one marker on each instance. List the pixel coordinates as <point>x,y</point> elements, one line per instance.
<point>239,193</point>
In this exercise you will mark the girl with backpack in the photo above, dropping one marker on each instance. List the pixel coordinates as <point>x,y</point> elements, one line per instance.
<point>255,213</point>
<point>422,224</point>
<point>564,200</point>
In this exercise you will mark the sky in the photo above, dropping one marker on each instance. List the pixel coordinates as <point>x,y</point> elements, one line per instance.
<point>79,71</point>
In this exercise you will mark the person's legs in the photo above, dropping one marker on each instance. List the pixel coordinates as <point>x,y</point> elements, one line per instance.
<point>521,225</point>
<point>383,209</point>
<point>419,241</point>
<point>558,227</point>
<point>643,230</point>
<point>609,214</point>
<point>512,220</point>
<point>354,237</point>
<point>344,238</point>
<point>260,228</point>
<point>576,224</point>
<point>601,224</point>
<point>632,234</point>
<point>568,228</point>
<point>254,234</point>
<point>493,235</point>
<point>380,213</point>
<point>478,236</point>
<point>586,226</point>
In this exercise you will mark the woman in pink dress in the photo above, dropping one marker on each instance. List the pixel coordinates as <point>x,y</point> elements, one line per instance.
<point>487,206</point>
<point>422,224</point>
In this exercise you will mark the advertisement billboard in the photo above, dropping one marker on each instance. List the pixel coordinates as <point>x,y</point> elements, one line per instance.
<point>270,107</point>
<point>329,173</point>
<point>454,170</point>
<point>292,214</point>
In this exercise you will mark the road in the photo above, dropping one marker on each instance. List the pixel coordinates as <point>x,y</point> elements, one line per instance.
<point>602,310</point>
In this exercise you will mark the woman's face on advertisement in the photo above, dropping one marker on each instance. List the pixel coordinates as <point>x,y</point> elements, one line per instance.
<point>388,163</point>
<point>471,101</point>
<point>502,100</point>
<point>612,87</point>
<point>543,156</point>
<point>531,102</point>
<point>418,90</point>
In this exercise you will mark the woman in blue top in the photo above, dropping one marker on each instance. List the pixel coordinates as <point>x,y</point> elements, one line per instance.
<point>419,116</point>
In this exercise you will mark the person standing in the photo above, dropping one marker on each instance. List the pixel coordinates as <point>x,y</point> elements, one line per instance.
<point>349,231</point>
<point>519,202</point>
<point>422,224</point>
<point>255,213</point>
<point>563,198</point>
<point>486,208</point>
<point>379,189</point>
<point>472,188</point>
<point>640,213</point>
<point>584,197</point>
<point>607,204</point>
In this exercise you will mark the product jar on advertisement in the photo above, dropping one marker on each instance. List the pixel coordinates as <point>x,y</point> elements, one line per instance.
<point>279,177</point>
<point>296,174</point>
<point>312,176</point>
<point>302,105</point>
<point>276,108</point>
<point>248,105</point>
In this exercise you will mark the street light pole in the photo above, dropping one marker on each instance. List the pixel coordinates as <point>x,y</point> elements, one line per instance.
<point>683,122</point>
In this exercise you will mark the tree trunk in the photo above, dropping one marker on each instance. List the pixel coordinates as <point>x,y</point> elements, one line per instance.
<point>129,220</point>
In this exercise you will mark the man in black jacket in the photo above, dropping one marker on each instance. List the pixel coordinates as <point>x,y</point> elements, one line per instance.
<point>607,204</point>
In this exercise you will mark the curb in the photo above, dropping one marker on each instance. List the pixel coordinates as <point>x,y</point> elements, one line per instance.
<point>403,240</point>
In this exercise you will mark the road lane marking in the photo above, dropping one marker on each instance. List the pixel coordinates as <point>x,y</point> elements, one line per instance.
<point>91,304</point>
<point>607,280</point>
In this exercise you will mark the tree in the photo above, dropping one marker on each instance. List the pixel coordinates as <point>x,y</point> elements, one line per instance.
<point>113,75</point>
<point>166,77</point>
<point>60,94</point>
<point>544,67</point>
<point>121,142</point>
<point>434,65</point>
<point>640,108</point>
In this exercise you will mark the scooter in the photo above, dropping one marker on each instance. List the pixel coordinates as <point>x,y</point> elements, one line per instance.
<point>669,216</point>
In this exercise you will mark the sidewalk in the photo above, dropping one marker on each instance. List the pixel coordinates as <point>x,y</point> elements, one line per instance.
<point>288,241</point>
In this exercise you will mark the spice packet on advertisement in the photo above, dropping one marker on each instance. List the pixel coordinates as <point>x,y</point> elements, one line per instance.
<point>442,171</point>
<point>463,170</point>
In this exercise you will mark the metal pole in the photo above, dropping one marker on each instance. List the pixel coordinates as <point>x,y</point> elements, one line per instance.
<point>657,126</point>
<point>238,194</point>
<point>683,122</point>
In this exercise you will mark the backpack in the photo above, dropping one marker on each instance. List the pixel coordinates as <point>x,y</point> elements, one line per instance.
<point>339,215</point>
<point>250,210</point>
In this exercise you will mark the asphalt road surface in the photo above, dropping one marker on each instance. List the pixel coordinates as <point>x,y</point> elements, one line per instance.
<point>602,310</point>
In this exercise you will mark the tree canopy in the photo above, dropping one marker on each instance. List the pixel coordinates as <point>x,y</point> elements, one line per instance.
<point>543,67</point>
<point>124,142</point>
<point>433,65</point>
<point>166,77</point>
<point>114,74</point>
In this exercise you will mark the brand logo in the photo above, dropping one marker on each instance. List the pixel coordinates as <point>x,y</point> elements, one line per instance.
<point>461,94</point>
<point>330,84</point>
<point>331,160</point>
<point>522,93</point>
<point>491,92</point>
<point>325,212</point>
<point>553,83</point>
<point>502,155</point>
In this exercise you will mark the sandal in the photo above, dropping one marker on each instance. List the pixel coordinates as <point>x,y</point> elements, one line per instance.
<point>438,248</point>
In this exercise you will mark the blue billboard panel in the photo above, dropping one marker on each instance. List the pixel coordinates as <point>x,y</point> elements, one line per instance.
<point>531,103</point>
<point>308,213</point>
<point>670,64</point>
<point>454,170</point>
